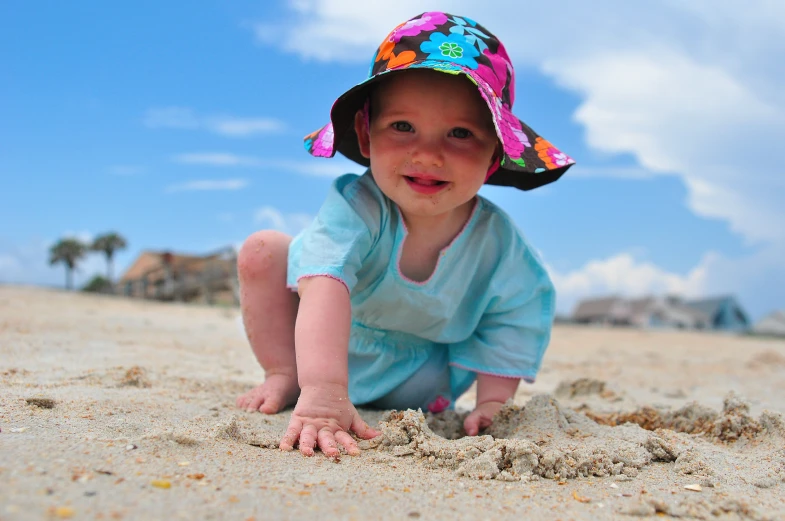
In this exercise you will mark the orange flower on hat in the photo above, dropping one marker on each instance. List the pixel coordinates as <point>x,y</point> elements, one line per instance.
<point>385,50</point>
<point>550,155</point>
<point>394,61</point>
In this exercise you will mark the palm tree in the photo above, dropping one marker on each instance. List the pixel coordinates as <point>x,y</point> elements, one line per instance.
<point>68,252</point>
<point>109,243</point>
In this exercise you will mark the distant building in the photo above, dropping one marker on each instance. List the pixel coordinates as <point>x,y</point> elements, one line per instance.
<point>725,313</point>
<point>666,312</point>
<point>669,312</point>
<point>164,275</point>
<point>609,311</point>
<point>772,325</point>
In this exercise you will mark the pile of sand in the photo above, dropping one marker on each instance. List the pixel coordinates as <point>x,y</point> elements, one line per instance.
<point>544,439</point>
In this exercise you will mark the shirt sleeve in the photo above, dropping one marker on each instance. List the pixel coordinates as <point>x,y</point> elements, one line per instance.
<point>515,327</point>
<point>340,237</point>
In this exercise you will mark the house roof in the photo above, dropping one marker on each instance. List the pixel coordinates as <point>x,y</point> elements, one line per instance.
<point>597,307</point>
<point>695,313</point>
<point>151,263</point>
<point>640,305</point>
<point>711,306</point>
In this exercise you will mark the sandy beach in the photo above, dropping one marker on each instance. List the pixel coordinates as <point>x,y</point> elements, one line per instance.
<point>122,409</point>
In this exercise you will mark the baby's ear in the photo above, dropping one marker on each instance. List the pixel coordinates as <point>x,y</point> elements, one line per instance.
<point>363,134</point>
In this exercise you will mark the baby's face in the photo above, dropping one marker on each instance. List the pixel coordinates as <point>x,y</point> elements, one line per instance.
<point>431,141</point>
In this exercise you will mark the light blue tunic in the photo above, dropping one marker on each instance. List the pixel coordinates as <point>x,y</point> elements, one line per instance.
<point>488,306</point>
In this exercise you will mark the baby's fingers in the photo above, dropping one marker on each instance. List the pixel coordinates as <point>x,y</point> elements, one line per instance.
<point>328,444</point>
<point>292,435</point>
<point>347,442</point>
<point>362,429</point>
<point>474,422</point>
<point>308,439</point>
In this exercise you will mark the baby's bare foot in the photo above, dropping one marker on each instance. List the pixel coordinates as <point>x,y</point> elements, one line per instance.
<point>276,392</point>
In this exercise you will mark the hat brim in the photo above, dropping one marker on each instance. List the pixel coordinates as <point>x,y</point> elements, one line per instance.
<point>528,162</point>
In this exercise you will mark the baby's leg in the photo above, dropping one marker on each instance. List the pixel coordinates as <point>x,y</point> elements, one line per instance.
<point>269,310</point>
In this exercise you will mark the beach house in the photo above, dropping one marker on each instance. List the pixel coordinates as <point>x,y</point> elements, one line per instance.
<point>164,275</point>
<point>667,312</point>
<point>771,325</point>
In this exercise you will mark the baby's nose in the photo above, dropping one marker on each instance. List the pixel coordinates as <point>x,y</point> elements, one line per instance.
<point>428,152</point>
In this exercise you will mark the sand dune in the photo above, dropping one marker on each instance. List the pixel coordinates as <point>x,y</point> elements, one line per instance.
<point>118,409</point>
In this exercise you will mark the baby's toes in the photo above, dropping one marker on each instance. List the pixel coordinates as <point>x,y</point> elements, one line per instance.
<point>271,405</point>
<point>242,401</point>
<point>255,402</point>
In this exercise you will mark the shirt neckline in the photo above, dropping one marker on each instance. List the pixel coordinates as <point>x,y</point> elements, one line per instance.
<point>402,232</point>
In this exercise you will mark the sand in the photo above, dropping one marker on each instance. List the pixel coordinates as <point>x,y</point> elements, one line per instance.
<point>120,409</point>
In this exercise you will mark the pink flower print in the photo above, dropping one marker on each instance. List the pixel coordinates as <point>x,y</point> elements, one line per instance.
<point>522,138</point>
<point>496,75</point>
<point>513,137</point>
<point>560,158</point>
<point>323,144</point>
<point>427,22</point>
<point>502,57</point>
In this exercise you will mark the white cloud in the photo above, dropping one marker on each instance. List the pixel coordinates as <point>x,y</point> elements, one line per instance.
<point>697,131</point>
<point>244,127</point>
<point>326,30</point>
<point>125,170</point>
<point>272,218</point>
<point>319,167</point>
<point>608,172</point>
<point>83,236</point>
<point>216,159</point>
<point>208,184</point>
<point>171,117</point>
<point>688,88</point>
<point>8,264</point>
<point>230,126</point>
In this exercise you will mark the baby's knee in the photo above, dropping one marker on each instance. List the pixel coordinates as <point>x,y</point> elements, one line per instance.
<point>262,253</point>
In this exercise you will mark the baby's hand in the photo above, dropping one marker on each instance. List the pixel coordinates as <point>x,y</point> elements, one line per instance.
<point>481,417</point>
<point>324,416</point>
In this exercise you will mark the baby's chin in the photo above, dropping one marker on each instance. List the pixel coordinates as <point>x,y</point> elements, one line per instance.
<point>434,207</point>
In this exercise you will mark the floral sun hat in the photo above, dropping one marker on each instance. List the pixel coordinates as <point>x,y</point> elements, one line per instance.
<point>453,45</point>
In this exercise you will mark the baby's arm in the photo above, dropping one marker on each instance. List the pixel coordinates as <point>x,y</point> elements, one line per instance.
<point>492,392</point>
<point>323,414</point>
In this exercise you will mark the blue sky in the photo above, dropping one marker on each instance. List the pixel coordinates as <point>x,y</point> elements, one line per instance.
<point>180,124</point>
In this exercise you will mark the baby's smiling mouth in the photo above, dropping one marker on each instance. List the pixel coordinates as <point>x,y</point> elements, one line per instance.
<point>425,184</point>
<point>425,181</point>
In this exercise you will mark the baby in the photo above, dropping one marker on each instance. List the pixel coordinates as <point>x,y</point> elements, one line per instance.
<point>408,286</point>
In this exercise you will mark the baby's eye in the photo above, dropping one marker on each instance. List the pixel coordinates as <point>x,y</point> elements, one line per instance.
<point>461,133</point>
<point>402,126</point>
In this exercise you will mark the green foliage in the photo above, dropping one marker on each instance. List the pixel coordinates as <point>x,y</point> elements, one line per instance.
<point>108,243</point>
<point>68,252</point>
<point>98,284</point>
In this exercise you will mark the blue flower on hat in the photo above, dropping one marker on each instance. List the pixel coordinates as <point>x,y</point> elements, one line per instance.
<point>454,48</point>
<point>466,27</point>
